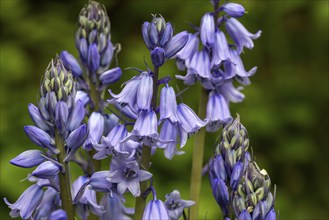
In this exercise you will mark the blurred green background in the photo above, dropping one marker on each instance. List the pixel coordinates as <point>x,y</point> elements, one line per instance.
<point>285,110</point>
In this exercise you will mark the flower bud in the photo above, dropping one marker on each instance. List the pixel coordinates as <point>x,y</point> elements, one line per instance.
<point>207,30</point>
<point>234,9</point>
<point>157,56</point>
<point>77,137</point>
<point>59,214</point>
<point>71,63</point>
<point>27,159</point>
<point>46,170</point>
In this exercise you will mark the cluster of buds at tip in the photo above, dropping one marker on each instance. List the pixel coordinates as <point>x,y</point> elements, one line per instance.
<point>253,199</point>
<point>93,38</point>
<point>229,163</point>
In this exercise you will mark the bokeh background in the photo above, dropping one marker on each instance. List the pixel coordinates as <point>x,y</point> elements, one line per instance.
<point>285,110</point>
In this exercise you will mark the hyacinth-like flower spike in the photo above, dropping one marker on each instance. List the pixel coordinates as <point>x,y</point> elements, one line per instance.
<point>253,199</point>
<point>159,39</point>
<point>229,164</point>
<point>155,209</point>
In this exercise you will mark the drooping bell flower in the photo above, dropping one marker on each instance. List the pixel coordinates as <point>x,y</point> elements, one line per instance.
<point>155,209</point>
<point>175,205</point>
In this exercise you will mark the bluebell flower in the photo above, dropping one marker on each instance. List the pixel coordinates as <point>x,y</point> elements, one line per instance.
<point>238,66</point>
<point>27,159</point>
<point>76,116</point>
<point>190,122</point>
<point>207,30</point>
<point>96,128</point>
<point>108,143</point>
<point>175,205</point>
<point>110,76</point>
<point>190,48</point>
<point>168,104</point>
<point>128,177</point>
<point>46,170</point>
<point>87,201</point>
<point>233,9</point>
<point>145,129</point>
<point>220,50</point>
<point>50,201</point>
<point>230,93</point>
<point>159,39</point>
<point>175,134</point>
<point>59,214</point>
<point>218,112</point>
<point>26,203</point>
<point>99,183</point>
<point>114,207</point>
<point>240,35</point>
<point>137,93</point>
<point>155,209</point>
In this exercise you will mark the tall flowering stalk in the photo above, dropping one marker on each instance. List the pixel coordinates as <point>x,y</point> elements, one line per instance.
<point>217,65</point>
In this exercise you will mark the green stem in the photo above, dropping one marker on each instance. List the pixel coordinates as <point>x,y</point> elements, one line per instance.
<point>96,99</point>
<point>140,201</point>
<point>197,160</point>
<point>64,179</point>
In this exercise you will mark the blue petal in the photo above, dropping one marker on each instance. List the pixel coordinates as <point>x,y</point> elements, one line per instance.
<point>59,214</point>
<point>167,35</point>
<point>189,120</point>
<point>145,33</point>
<point>61,116</point>
<point>155,209</point>
<point>70,63</point>
<point>234,9</point>
<point>207,30</point>
<point>145,92</point>
<point>110,76</point>
<point>157,56</point>
<point>93,58</point>
<point>40,138</point>
<point>37,118</point>
<point>76,116</point>
<point>176,44</point>
<point>27,159</point>
<point>107,55</point>
<point>190,48</point>
<point>76,137</point>
<point>46,170</point>
<point>168,104</point>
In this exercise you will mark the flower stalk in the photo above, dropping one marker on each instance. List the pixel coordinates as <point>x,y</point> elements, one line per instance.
<point>64,178</point>
<point>197,158</point>
<point>140,201</point>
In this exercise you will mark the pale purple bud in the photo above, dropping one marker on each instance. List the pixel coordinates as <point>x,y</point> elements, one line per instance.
<point>110,76</point>
<point>155,209</point>
<point>145,34</point>
<point>190,122</point>
<point>76,116</point>
<point>70,63</point>
<point>27,159</point>
<point>153,33</point>
<point>46,170</point>
<point>217,168</point>
<point>40,138</point>
<point>240,35</point>
<point>176,44</point>
<point>207,30</point>
<point>157,56</point>
<point>61,116</point>
<point>259,211</point>
<point>107,55</point>
<point>168,104</point>
<point>42,108</point>
<point>167,35</point>
<point>83,49</point>
<point>236,175</point>
<point>26,203</point>
<point>234,9</point>
<point>93,58</point>
<point>59,214</point>
<point>218,113</point>
<point>77,137</point>
<point>37,118</point>
<point>220,192</point>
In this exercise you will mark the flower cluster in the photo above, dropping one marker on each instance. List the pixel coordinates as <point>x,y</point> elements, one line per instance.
<point>218,63</point>
<point>236,180</point>
<point>71,124</point>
